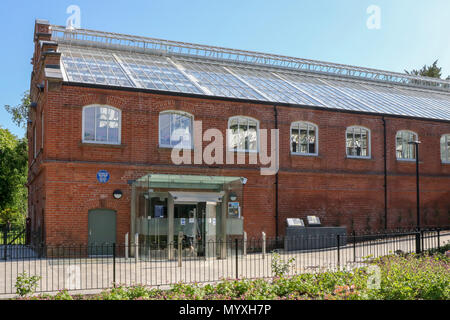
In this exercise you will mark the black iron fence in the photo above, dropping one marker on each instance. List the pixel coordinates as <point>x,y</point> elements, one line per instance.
<point>93,267</point>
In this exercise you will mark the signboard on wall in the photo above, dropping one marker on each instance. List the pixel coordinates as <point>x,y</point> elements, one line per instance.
<point>103,176</point>
<point>234,210</point>
<point>159,211</point>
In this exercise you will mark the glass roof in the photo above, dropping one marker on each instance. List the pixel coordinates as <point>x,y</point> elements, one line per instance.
<point>205,77</point>
<point>89,65</point>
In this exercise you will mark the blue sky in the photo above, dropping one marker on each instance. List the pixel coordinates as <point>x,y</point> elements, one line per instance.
<point>412,33</point>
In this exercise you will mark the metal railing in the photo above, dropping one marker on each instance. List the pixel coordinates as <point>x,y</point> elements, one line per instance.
<point>95,267</point>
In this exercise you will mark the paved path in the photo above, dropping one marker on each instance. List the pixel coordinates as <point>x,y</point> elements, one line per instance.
<point>99,273</point>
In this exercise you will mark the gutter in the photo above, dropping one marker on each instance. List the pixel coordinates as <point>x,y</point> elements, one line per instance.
<point>385,174</point>
<point>276,179</point>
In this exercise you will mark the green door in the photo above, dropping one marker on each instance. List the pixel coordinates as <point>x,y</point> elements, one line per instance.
<point>102,231</point>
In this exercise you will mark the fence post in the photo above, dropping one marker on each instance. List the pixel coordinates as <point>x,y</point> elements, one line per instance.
<point>237,260</point>
<point>126,245</point>
<point>418,242</point>
<point>136,248</point>
<point>263,245</point>
<point>439,238</point>
<point>339,250</point>
<point>180,248</point>
<point>354,246</point>
<point>5,242</point>
<point>114,264</point>
<point>245,244</point>
<point>422,235</point>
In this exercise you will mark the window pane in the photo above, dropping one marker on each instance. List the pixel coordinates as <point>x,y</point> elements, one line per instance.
<point>252,136</point>
<point>295,140</point>
<point>113,132</point>
<point>364,143</point>
<point>89,124</point>
<point>101,124</point>
<point>164,129</point>
<point>312,139</point>
<point>234,137</point>
<point>357,146</point>
<point>350,144</point>
<point>303,138</point>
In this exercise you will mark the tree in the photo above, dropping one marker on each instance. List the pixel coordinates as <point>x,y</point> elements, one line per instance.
<point>19,113</point>
<point>13,177</point>
<point>432,71</point>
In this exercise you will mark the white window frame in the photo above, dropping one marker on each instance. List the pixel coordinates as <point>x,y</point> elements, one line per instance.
<point>183,113</point>
<point>446,138</point>
<point>240,117</point>
<point>369,144</point>
<point>297,125</point>
<point>416,137</point>
<point>95,124</point>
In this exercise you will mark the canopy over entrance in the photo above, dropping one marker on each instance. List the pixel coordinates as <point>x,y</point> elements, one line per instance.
<point>196,197</point>
<point>176,181</point>
<point>204,209</point>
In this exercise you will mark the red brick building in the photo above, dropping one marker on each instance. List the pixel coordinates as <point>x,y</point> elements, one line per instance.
<point>106,106</point>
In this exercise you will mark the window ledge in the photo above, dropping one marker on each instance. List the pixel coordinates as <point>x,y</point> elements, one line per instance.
<point>359,158</point>
<point>311,155</point>
<point>171,148</point>
<point>242,151</point>
<point>101,145</point>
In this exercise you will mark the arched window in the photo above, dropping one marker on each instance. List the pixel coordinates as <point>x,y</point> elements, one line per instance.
<point>243,134</point>
<point>404,149</point>
<point>358,142</point>
<point>445,148</point>
<point>304,138</point>
<point>175,130</point>
<point>101,124</point>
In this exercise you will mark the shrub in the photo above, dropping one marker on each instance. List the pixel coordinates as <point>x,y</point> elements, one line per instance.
<point>281,268</point>
<point>26,285</point>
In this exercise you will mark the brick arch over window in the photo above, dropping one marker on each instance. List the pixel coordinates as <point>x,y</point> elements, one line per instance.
<point>101,124</point>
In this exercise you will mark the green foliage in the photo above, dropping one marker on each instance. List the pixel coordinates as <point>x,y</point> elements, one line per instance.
<point>19,113</point>
<point>26,285</point>
<point>280,267</point>
<point>432,71</point>
<point>13,177</point>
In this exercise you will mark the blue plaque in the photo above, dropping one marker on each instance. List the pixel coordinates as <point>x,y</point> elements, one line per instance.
<point>103,176</point>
